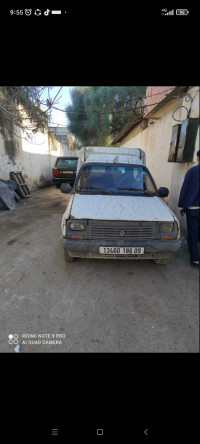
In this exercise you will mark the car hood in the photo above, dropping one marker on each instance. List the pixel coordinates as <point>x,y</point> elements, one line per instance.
<point>106,207</point>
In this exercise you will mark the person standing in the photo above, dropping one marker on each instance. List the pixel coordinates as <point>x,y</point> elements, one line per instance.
<point>189,203</point>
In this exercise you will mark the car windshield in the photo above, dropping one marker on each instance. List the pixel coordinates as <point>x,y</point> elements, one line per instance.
<point>65,163</point>
<point>111,179</point>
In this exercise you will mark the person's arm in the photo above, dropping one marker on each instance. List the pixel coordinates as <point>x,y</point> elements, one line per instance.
<point>183,193</point>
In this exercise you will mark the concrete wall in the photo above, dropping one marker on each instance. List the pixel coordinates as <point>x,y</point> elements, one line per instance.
<point>155,141</point>
<point>68,152</point>
<point>58,149</point>
<point>32,157</point>
<point>180,169</point>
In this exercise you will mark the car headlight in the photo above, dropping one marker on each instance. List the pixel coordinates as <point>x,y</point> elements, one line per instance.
<point>77,226</point>
<point>165,227</point>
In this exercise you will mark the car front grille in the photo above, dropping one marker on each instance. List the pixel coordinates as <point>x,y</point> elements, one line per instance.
<point>121,230</point>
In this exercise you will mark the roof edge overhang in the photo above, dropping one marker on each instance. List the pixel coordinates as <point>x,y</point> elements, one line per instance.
<point>127,128</point>
<point>177,92</point>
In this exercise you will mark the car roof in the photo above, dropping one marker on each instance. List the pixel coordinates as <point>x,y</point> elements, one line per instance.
<point>112,158</point>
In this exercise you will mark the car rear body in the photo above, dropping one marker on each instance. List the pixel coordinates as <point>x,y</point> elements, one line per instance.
<point>64,170</point>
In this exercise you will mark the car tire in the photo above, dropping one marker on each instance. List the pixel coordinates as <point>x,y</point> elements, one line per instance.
<point>163,261</point>
<point>58,185</point>
<point>68,258</point>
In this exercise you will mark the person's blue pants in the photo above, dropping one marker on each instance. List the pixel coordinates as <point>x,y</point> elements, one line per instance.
<point>193,233</point>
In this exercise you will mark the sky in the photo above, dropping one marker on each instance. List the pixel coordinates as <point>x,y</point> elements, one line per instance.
<point>59,117</point>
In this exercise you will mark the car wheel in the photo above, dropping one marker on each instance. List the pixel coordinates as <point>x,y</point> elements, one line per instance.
<point>163,261</point>
<point>58,185</point>
<point>68,258</point>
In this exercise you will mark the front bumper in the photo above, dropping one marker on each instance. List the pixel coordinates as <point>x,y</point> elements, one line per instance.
<point>154,249</point>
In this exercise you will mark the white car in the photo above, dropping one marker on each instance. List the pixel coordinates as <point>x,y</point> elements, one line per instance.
<point>115,210</point>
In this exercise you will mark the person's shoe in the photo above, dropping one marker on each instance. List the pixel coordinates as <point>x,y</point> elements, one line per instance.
<point>194,264</point>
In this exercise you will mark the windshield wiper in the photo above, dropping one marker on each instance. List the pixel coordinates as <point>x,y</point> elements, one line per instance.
<point>129,189</point>
<point>96,188</point>
<point>136,189</point>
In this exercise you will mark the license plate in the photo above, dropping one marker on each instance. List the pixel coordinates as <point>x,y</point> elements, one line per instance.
<point>121,250</point>
<point>69,172</point>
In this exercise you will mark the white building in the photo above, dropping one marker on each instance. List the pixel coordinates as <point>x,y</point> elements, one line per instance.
<point>168,132</point>
<point>32,155</point>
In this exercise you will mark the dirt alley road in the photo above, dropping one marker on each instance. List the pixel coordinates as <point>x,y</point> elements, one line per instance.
<point>94,305</point>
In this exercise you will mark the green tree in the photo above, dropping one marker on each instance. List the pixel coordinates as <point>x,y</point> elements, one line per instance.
<point>98,113</point>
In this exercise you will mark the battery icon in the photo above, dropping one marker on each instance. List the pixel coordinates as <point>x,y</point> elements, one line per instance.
<point>182,12</point>
<point>56,12</point>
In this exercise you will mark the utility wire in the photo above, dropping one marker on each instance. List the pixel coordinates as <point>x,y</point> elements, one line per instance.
<point>105,112</point>
<point>114,112</point>
<point>144,98</point>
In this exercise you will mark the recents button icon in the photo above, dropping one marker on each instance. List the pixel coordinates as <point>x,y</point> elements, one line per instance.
<point>54,432</point>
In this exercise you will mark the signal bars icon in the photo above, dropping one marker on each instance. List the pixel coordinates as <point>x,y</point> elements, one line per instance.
<point>168,13</point>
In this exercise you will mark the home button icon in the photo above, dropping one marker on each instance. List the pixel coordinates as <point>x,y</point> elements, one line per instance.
<point>99,432</point>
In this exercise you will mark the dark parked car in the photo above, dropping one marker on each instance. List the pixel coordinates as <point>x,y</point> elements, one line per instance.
<point>64,170</point>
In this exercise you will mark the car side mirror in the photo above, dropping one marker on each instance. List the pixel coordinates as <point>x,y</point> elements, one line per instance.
<point>163,192</point>
<point>65,188</point>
